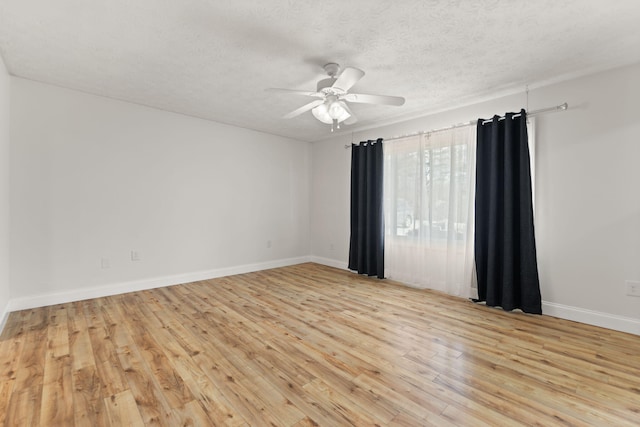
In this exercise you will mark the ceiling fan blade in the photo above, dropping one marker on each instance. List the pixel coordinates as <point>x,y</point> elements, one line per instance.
<point>348,78</point>
<point>373,99</point>
<point>295,92</point>
<point>304,108</point>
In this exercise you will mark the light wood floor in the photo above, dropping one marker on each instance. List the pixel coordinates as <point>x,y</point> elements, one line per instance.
<point>309,345</point>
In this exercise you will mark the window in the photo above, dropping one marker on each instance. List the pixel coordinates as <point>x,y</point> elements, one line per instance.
<point>423,182</point>
<point>429,198</point>
<point>428,193</point>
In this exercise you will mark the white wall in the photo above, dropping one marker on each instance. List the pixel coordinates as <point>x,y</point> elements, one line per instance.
<point>96,178</point>
<point>4,191</point>
<point>587,197</point>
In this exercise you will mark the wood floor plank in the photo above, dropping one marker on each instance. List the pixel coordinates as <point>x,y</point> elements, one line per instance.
<point>79,339</point>
<point>6,390</point>
<point>292,387</point>
<point>88,397</point>
<point>58,332</point>
<point>192,414</point>
<point>309,345</point>
<point>122,410</point>
<point>151,405</point>
<point>24,407</point>
<point>108,374</point>
<point>340,404</point>
<point>57,394</point>
<point>173,388</point>
<point>178,344</point>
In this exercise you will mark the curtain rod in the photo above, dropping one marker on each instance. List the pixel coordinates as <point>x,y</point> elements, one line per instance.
<point>560,107</point>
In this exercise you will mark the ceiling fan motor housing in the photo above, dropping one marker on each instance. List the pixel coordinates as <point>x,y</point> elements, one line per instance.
<point>332,69</point>
<point>325,83</point>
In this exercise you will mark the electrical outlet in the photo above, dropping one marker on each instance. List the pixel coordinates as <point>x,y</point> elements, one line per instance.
<point>633,288</point>
<point>104,263</point>
<point>135,256</point>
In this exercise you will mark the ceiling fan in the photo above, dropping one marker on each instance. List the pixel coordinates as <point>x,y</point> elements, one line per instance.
<point>333,94</point>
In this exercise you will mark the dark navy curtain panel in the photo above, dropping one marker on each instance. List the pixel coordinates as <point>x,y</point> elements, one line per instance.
<point>366,247</point>
<point>505,247</point>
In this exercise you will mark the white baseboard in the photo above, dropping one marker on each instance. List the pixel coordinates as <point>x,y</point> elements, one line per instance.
<point>577,314</point>
<point>330,262</point>
<point>591,317</point>
<point>4,314</point>
<point>53,298</point>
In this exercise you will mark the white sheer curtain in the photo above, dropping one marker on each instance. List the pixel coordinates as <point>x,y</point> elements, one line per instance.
<point>429,186</point>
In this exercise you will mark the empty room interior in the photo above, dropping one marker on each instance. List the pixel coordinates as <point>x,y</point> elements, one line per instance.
<point>278,213</point>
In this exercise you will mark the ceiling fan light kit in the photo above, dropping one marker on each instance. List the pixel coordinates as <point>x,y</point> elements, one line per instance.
<point>331,107</point>
<point>331,111</point>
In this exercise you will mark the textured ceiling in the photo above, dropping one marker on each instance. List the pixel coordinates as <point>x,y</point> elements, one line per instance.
<point>214,59</point>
